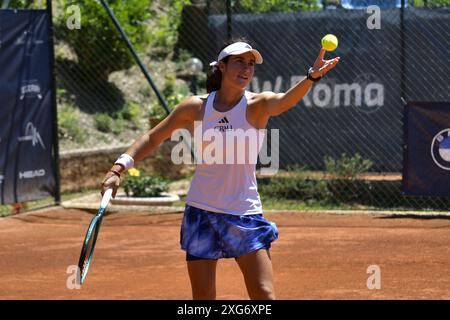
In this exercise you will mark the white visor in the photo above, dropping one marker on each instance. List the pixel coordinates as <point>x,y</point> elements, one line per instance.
<point>240,48</point>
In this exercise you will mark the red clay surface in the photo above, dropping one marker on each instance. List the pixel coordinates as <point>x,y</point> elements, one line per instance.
<point>317,256</point>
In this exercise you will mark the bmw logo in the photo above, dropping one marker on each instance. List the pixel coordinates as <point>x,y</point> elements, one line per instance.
<point>440,149</point>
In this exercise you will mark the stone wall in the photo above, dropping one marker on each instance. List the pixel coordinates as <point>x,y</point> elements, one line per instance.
<point>81,169</point>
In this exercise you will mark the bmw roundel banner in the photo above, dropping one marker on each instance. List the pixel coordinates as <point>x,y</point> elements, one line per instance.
<point>426,170</point>
<point>27,166</point>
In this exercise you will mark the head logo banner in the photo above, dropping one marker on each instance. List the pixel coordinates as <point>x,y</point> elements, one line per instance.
<point>27,166</point>
<point>426,170</point>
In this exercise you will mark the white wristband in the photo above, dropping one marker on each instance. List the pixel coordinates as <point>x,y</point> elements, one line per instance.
<point>125,160</point>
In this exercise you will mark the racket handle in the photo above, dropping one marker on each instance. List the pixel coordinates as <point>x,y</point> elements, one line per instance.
<point>106,197</point>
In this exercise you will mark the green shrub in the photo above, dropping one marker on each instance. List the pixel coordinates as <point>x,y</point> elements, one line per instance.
<point>347,167</point>
<point>4,210</point>
<point>342,187</point>
<point>294,188</point>
<point>157,111</point>
<point>349,190</point>
<point>141,184</point>
<point>173,94</point>
<point>118,126</point>
<point>131,112</point>
<point>430,3</point>
<point>69,125</point>
<point>344,184</point>
<point>297,186</point>
<point>130,115</point>
<point>103,122</point>
<point>167,19</point>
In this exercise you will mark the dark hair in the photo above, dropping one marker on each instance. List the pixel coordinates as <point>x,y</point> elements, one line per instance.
<point>214,75</point>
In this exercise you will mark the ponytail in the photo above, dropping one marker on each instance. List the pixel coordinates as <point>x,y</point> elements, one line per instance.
<point>213,78</point>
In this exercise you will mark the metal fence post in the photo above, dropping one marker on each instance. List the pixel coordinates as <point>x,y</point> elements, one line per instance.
<point>229,21</point>
<point>54,106</point>
<point>402,50</point>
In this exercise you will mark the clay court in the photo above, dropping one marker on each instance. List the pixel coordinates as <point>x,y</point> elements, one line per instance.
<point>318,256</point>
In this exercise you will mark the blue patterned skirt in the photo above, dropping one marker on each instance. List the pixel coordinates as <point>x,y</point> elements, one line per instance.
<point>210,235</point>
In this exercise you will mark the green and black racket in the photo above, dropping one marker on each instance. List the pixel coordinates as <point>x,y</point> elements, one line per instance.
<point>91,237</point>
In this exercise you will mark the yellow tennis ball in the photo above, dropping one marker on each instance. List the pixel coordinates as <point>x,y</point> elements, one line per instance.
<point>329,42</point>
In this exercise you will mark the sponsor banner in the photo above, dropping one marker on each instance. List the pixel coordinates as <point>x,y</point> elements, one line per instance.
<point>26,126</point>
<point>357,107</point>
<point>427,149</point>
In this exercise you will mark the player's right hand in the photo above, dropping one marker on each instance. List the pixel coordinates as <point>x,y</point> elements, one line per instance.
<point>112,181</point>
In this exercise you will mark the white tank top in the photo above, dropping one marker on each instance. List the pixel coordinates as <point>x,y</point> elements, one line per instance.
<point>225,176</point>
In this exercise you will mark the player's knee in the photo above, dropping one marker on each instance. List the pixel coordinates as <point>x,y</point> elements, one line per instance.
<point>263,292</point>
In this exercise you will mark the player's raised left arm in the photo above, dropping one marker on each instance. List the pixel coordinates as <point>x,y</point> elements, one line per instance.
<point>277,103</point>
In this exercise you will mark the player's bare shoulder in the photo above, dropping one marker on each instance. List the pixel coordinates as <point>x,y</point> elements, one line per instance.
<point>257,100</point>
<point>193,102</point>
<point>192,107</point>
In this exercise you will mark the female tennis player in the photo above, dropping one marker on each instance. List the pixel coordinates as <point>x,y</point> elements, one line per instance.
<point>223,217</point>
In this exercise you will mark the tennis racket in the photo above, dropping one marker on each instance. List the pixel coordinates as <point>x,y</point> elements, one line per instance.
<point>91,237</point>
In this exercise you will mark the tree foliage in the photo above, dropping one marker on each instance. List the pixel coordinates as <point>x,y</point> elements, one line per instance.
<point>262,6</point>
<point>25,4</point>
<point>98,45</point>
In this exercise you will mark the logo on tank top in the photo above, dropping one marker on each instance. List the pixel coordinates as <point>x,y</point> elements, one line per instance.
<point>224,125</point>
